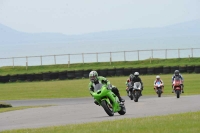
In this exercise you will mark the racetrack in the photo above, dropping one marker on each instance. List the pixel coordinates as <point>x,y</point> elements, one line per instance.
<point>80,110</point>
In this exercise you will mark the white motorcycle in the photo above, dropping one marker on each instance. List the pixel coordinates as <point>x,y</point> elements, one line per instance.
<point>135,91</point>
<point>159,88</point>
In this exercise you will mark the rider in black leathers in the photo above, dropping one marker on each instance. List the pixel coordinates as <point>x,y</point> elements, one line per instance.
<point>136,78</point>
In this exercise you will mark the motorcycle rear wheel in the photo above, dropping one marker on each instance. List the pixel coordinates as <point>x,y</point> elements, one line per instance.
<point>123,110</point>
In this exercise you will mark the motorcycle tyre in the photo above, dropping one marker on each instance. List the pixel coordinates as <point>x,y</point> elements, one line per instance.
<point>159,93</point>
<point>136,97</point>
<point>131,96</point>
<point>123,110</point>
<point>106,108</point>
<point>178,93</point>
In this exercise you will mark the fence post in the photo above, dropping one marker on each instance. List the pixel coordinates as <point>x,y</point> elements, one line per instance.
<point>138,55</point>
<point>41,60</point>
<point>13,59</point>
<point>110,58</point>
<point>192,52</point>
<point>55,59</point>
<point>150,59</point>
<point>26,62</point>
<point>124,56</point>
<point>68,60</point>
<point>83,57</point>
<point>178,53</point>
<point>152,53</point>
<point>97,57</point>
<point>165,53</point>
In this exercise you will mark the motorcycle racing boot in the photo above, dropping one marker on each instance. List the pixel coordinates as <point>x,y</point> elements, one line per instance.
<point>121,99</point>
<point>182,89</point>
<point>127,92</point>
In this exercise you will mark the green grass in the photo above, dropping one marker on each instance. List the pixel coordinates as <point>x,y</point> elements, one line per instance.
<point>79,88</point>
<point>176,123</point>
<point>143,63</point>
<point>20,108</point>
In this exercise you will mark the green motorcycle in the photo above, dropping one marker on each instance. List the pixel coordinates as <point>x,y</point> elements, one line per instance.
<point>108,100</point>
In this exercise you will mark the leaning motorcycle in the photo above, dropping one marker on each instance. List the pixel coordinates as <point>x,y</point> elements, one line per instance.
<point>158,86</point>
<point>134,91</point>
<point>108,100</point>
<point>177,86</point>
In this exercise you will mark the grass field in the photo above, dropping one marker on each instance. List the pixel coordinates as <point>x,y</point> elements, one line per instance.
<point>143,63</point>
<point>79,88</point>
<point>176,123</point>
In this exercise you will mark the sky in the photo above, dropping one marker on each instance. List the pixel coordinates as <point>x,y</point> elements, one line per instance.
<point>73,17</point>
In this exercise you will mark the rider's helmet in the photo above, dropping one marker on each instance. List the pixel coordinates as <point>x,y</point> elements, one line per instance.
<point>131,77</point>
<point>176,72</point>
<point>136,74</point>
<point>93,75</point>
<point>157,77</point>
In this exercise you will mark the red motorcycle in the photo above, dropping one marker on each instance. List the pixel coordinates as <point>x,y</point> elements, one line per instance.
<point>177,86</point>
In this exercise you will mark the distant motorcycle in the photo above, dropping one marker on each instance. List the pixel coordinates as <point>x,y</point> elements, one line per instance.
<point>108,100</point>
<point>177,86</point>
<point>134,91</point>
<point>158,86</point>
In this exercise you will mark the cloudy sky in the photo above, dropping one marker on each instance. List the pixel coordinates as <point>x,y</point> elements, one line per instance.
<point>86,16</point>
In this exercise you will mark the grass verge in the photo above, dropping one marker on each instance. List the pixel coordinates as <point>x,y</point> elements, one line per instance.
<point>100,65</point>
<point>79,88</point>
<point>176,123</point>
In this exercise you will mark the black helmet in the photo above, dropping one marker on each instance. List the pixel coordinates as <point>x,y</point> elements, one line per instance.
<point>176,72</point>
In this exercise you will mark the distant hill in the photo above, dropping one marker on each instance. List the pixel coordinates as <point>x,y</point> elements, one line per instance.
<point>186,33</point>
<point>11,36</point>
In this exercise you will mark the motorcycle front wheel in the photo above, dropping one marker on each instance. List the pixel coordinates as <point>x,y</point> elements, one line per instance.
<point>159,93</point>
<point>107,108</point>
<point>178,93</point>
<point>137,95</point>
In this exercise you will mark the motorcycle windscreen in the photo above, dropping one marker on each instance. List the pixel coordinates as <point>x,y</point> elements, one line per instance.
<point>137,85</point>
<point>97,87</point>
<point>177,78</point>
<point>158,83</point>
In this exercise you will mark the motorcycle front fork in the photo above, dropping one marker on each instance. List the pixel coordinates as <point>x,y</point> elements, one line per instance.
<point>156,90</point>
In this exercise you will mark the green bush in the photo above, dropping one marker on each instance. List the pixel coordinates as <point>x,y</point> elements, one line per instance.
<point>4,105</point>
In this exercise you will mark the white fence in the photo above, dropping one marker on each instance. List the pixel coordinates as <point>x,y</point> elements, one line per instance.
<point>100,57</point>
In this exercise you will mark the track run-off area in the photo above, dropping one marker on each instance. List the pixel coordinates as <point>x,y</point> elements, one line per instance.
<point>82,110</point>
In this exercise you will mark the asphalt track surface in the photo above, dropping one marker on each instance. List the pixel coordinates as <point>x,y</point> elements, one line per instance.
<point>82,110</point>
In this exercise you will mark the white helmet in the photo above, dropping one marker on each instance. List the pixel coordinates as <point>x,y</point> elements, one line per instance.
<point>136,74</point>
<point>158,77</point>
<point>93,75</point>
